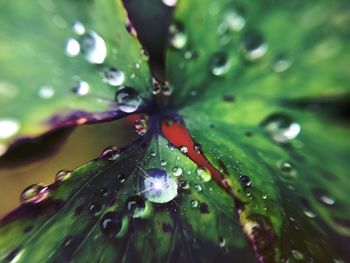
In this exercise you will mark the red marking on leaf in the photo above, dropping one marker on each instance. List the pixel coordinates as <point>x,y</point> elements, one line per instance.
<point>178,135</point>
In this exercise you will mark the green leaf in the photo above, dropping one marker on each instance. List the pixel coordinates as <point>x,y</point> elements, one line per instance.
<point>253,82</point>
<point>39,68</point>
<point>148,224</point>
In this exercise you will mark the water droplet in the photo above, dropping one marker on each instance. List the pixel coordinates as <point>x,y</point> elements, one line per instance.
<point>288,170</point>
<point>46,92</point>
<point>177,171</point>
<point>121,178</point>
<point>183,149</point>
<point>135,206</point>
<point>63,175</point>
<point>234,19</point>
<point>297,255</point>
<point>82,88</point>
<point>282,128</point>
<point>264,197</point>
<point>159,187</point>
<point>194,203</point>
<point>114,77</point>
<point>197,148</point>
<point>72,47</point>
<point>34,193</point>
<point>94,48</point>
<point>323,197</point>
<point>203,174</point>
<point>220,64</point>
<point>282,63</point>
<point>166,89</point>
<point>128,99</point>
<point>198,188</point>
<point>178,37</point>
<point>141,126</point>
<point>110,153</point>
<point>309,213</point>
<point>253,45</point>
<point>222,242</point>
<point>78,28</point>
<point>169,2</point>
<point>184,184</point>
<point>245,181</point>
<point>14,256</point>
<point>111,223</point>
<point>95,208</point>
<point>8,128</point>
<point>162,162</point>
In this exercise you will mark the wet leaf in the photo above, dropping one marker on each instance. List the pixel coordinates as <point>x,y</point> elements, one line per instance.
<point>62,64</point>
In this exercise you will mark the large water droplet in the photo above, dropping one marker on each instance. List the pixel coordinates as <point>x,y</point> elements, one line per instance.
<point>220,64</point>
<point>234,19</point>
<point>177,171</point>
<point>178,37</point>
<point>282,128</point>
<point>135,206</point>
<point>128,99</point>
<point>114,77</point>
<point>194,203</point>
<point>170,2</point>
<point>34,193</point>
<point>159,187</point>
<point>253,45</point>
<point>94,48</point>
<point>81,88</point>
<point>111,223</point>
<point>8,128</point>
<point>72,48</point>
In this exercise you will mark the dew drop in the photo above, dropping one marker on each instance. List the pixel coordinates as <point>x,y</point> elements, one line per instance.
<point>234,19</point>
<point>159,187</point>
<point>177,171</point>
<point>297,255</point>
<point>222,242</point>
<point>184,184</point>
<point>34,194</point>
<point>253,46</point>
<point>282,63</point>
<point>220,64</point>
<point>78,28</point>
<point>178,37</point>
<point>46,92</point>
<point>162,162</point>
<point>82,88</point>
<point>141,126</point>
<point>309,213</point>
<point>63,175</point>
<point>72,48</point>
<point>169,2</point>
<point>183,149</point>
<point>198,188</point>
<point>194,203</point>
<point>245,181</point>
<point>110,153</point>
<point>282,128</point>
<point>114,77</point>
<point>323,197</point>
<point>95,208</point>
<point>94,48</point>
<point>14,256</point>
<point>203,173</point>
<point>197,148</point>
<point>8,127</point>
<point>288,170</point>
<point>135,206</point>
<point>121,178</point>
<point>128,99</point>
<point>111,223</point>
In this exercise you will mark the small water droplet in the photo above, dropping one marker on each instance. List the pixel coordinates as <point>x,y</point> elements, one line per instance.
<point>110,153</point>
<point>72,47</point>
<point>183,149</point>
<point>111,223</point>
<point>194,203</point>
<point>141,125</point>
<point>309,213</point>
<point>63,175</point>
<point>46,92</point>
<point>234,19</point>
<point>253,45</point>
<point>264,197</point>
<point>203,173</point>
<point>34,193</point>
<point>220,64</point>
<point>121,178</point>
<point>162,162</point>
<point>135,206</point>
<point>198,188</point>
<point>282,63</point>
<point>159,187</point>
<point>177,171</point>
<point>222,242</point>
<point>95,208</point>
<point>81,88</point>
<point>184,184</point>
<point>197,148</point>
<point>178,37</point>
<point>8,127</point>
<point>166,89</point>
<point>245,181</point>
<point>323,197</point>
<point>297,255</point>
<point>114,77</point>
<point>94,48</point>
<point>78,28</point>
<point>282,128</point>
<point>128,99</point>
<point>288,170</point>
